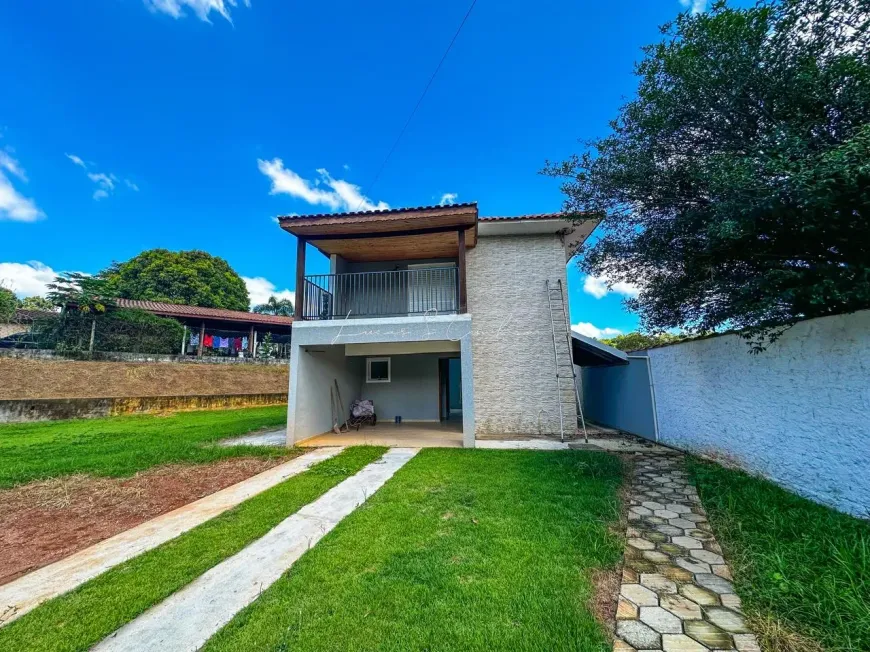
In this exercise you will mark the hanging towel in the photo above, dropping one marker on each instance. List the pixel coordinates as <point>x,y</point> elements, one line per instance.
<point>208,340</point>
<point>224,343</point>
<point>237,344</point>
<point>245,342</point>
<point>194,339</point>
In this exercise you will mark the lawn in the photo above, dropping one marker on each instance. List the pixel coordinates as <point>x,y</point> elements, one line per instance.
<point>120,446</point>
<point>83,617</point>
<point>795,563</point>
<point>460,550</point>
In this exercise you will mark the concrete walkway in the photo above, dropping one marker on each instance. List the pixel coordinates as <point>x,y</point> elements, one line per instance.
<point>676,590</point>
<point>271,438</point>
<point>29,591</point>
<point>188,618</point>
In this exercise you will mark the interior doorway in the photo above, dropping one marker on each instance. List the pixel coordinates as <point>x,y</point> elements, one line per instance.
<point>450,389</point>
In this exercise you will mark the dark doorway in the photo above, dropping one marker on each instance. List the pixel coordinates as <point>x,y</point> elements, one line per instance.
<point>450,389</point>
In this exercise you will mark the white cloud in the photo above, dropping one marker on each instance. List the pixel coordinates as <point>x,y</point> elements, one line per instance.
<point>591,330</point>
<point>13,205</point>
<point>342,195</point>
<point>260,289</point>
<point>75,159</point>
<point>448,198</point>
<point>696,6</point>
<point>599,287</point>
<point>26,279</point>
<point>106,183</point>
<point>202,8</point>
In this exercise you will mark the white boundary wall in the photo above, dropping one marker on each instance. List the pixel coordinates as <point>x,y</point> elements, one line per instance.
<point>798,414</point>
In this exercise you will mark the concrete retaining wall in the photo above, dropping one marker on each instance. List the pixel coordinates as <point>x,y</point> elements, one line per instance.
<point>21,411</point>
<point>48,354</point>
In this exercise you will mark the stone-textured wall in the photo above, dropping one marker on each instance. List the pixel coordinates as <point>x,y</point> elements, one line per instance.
<point>27,410</point>
<point>515,389</point>
<point>799,413</point>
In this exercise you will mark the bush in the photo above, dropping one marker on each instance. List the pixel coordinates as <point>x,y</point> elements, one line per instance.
<point>119,330</point>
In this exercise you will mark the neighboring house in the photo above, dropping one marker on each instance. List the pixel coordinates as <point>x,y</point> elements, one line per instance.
<point>437,316</point>
<point>217,322</point>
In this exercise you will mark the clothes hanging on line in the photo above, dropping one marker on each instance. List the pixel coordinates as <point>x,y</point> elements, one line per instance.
<point>237,344</point>
<point>223,343</point>
<point>245,342</point>
<point>208,341</point>
<point>194,339</point>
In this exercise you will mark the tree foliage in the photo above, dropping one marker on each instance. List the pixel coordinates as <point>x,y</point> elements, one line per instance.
<point>8,304</point>
<point>635,341</point>
<point>36,303</point>
<point>87,294</point>
<point>735,188</point>
<point>193,278</point>
<point>275,306</point>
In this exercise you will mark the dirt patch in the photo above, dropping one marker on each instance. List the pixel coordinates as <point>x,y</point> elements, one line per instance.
<point>25,379</point>
<point>43,522</point>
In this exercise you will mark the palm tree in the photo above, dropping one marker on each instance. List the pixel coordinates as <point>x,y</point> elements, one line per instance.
<point>275,306</point>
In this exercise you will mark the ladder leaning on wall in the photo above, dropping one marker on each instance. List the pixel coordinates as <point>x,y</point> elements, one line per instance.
<point>560,323</point>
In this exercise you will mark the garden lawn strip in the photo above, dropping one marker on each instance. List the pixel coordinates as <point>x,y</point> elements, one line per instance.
<point>81,618</point>
<point>795,563</point>
<point>121,446</point>
<point>461,550</point>
<point>189,617</point>
<point>28,592</point>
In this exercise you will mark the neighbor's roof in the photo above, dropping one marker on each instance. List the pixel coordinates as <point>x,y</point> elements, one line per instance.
<point>588,352</point>
<point>196,312</point>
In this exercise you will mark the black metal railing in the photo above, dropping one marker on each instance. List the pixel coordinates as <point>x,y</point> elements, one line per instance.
<point>430,290</point>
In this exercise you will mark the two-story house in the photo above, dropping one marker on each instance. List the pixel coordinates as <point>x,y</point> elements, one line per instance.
<point>442,318</point>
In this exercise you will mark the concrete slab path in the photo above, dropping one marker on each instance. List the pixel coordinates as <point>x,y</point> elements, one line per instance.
<point>676,592</point>
<point>29,591</point>
<point>271,438</point>
<point>188,618</point>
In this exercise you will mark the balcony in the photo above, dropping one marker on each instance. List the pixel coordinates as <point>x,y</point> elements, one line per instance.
<point>407,292</point>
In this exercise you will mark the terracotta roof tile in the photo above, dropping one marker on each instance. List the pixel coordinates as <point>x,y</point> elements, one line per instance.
<point>178,310</point>
<point>386,214</point>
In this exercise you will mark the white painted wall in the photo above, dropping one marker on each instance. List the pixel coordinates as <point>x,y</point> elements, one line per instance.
<point>313,370</point>
<point>799,413</point>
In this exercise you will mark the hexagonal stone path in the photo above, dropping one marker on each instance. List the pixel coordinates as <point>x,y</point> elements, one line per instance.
<point>676,591</point>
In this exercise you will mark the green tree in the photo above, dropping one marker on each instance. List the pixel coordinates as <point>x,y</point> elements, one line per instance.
<point>735,188</point>
<point>275,306</point>
<point>36,303</point>
<point>636,340</point>
<point>8,304</point>
<point>194,278</point>
<point>82,292</point>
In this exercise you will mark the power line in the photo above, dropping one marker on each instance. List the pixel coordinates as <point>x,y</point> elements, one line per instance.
<point>419,102</point>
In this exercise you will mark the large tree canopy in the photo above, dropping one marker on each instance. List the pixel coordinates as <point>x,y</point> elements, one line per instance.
<point>194,278</point>
<point>735,188</point>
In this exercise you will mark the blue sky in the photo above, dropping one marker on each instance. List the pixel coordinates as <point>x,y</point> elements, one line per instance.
<point>132,124</point>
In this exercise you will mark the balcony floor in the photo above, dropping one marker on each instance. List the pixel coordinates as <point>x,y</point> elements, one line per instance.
<point>447,434</point>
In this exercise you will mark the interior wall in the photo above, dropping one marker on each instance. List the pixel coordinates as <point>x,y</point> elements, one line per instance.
<point>412,392</point>
<point>316,369</point>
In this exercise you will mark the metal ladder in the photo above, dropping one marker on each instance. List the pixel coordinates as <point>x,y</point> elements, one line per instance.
<point>564,368</point>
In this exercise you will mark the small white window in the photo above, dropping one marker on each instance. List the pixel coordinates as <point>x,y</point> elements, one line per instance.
<point>377,370</point>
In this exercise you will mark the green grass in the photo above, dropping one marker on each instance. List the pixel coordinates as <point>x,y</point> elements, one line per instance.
<point>83,617</point>
<point>460,550</point>
<point>120,446</point>
<point>795,562</point>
